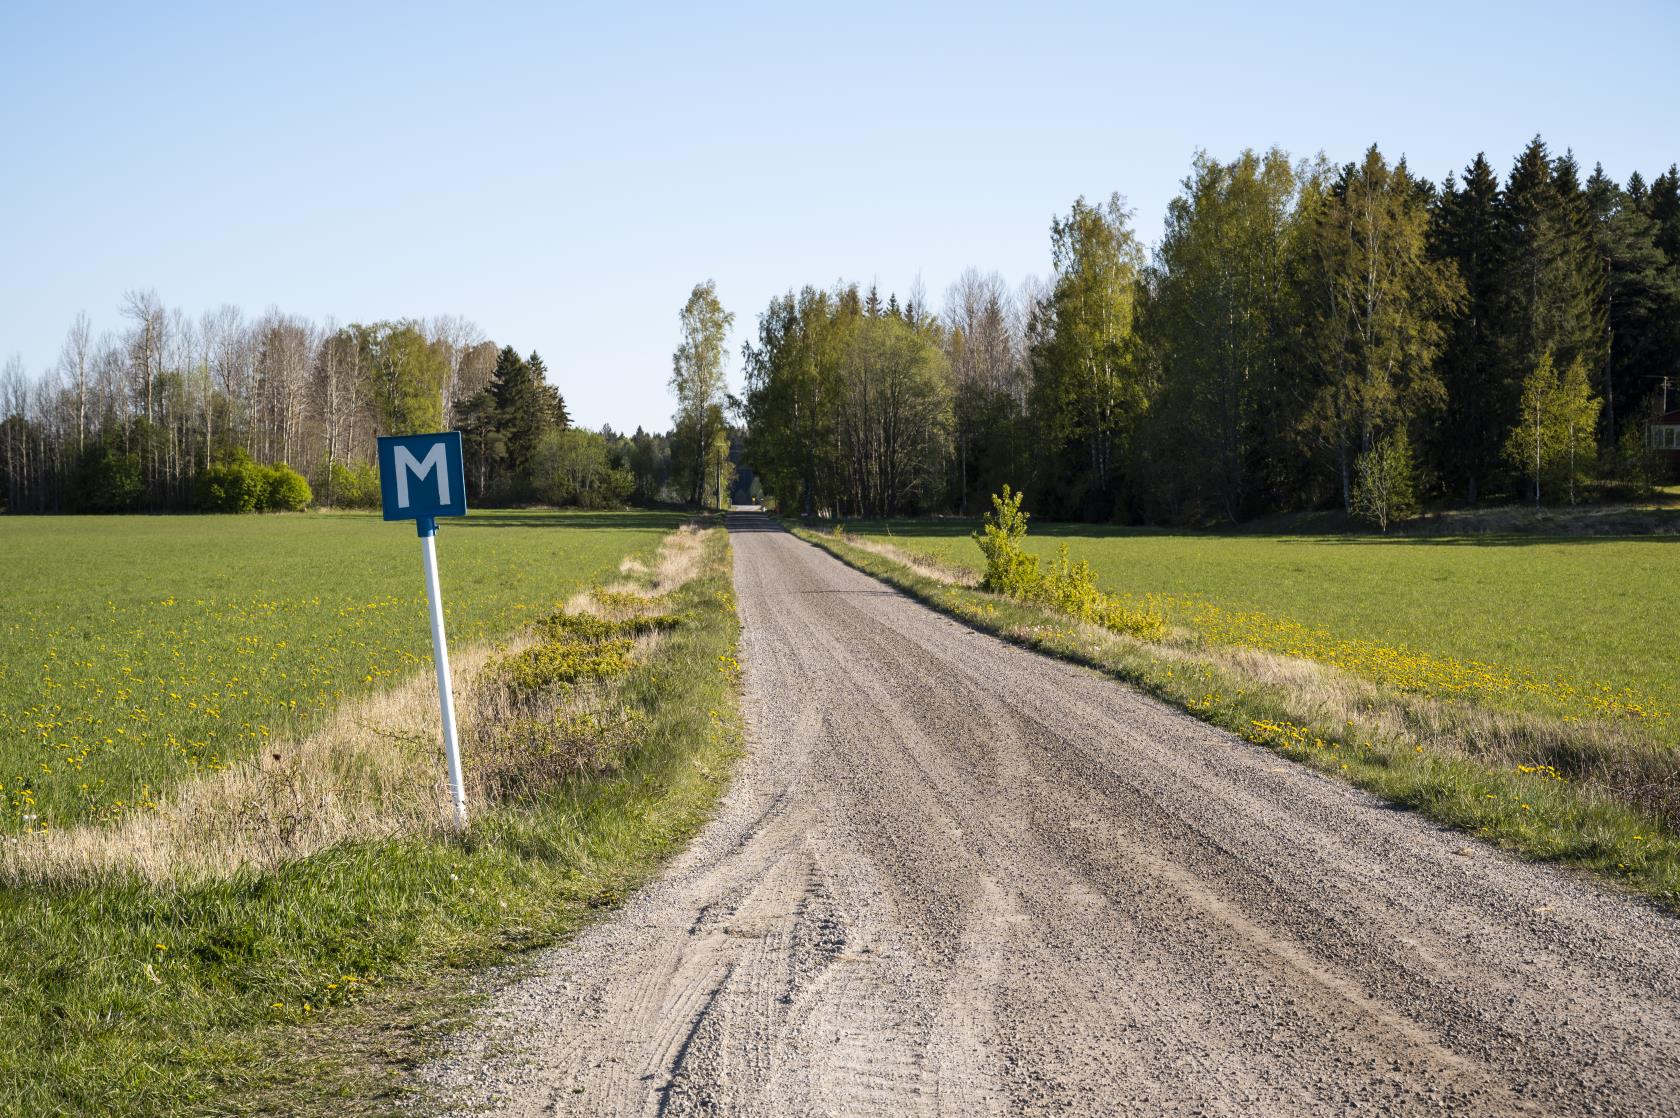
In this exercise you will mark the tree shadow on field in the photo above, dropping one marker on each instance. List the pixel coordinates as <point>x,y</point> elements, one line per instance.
<point>1491,539</point>
<point>542,518</point>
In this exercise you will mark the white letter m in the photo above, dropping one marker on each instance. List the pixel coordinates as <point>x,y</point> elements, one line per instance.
<point>405,463</point>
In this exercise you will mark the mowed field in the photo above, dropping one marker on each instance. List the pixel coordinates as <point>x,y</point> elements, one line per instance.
<point>1580,627</point>
<point>137,651</point>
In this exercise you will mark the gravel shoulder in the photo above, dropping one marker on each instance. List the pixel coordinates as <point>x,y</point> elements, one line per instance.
<point>955,877</point>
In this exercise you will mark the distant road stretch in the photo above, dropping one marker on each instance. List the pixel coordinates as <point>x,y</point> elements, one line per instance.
<point>958,878</point>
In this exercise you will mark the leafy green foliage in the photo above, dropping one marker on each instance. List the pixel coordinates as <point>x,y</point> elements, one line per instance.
<point>1219,328</point>
<point>1090,384</point>
<point>351,486</point>
<point>577,467</point>
<point>1374,317</point>
<point>285,490</point>
<point>234,483</point>
<point>405,376</point>
<point>1384,488</point>
<point>697,381</point>
<point>1010,569</point>
<point>1553,442</point>
<point>237,484</point>
<point>1066,586</point>
<point>109,479</point>
<point>1293,317</point>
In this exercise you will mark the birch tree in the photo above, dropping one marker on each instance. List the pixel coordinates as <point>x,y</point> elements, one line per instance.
<point>697,379</point>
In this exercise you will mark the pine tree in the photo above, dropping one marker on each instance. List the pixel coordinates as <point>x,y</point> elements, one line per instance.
<point>482,445</point>
<point>1662,206</point>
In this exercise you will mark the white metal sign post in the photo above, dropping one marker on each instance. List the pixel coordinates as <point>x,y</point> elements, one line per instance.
<point>423,477</point>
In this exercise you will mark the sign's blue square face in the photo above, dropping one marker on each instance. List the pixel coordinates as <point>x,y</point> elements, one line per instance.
<point>422,475</point>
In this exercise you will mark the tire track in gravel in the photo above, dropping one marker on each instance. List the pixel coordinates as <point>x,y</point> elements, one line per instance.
<point>957,878</point>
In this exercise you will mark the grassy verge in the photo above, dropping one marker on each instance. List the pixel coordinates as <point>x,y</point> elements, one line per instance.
<point>1461,767</point>
<point>297,987</point>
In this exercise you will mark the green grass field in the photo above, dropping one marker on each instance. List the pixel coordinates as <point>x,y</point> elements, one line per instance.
<point>300,987</point>
<point>135,651</point>
<point>1569,619</point>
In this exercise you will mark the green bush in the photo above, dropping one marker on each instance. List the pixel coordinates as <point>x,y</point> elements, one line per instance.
<point>107,479</point>
<point>1009,568</point>
<point>1631,465</point>
<point>1068,587</point>
<point>351,487</point>
<point>234,483</point>
<point>285,490</point>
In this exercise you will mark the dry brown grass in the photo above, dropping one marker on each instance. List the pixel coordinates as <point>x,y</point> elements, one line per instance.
<point>677,561</point>
<point>373,770</point>
<point>1603,755</point>
<point>924,565</point>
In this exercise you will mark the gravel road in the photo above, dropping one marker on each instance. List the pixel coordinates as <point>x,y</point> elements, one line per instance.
<point>958,878</point>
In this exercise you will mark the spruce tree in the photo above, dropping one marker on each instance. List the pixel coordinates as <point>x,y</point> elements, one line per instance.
<point>520,418</point>
<point>1466,446</point>
<point>552,404</point>
<point>1663,207</point>
<point>1641,298</point>
<point>1553,277</point>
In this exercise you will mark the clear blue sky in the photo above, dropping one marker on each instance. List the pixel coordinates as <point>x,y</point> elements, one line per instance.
<point>563,176</point>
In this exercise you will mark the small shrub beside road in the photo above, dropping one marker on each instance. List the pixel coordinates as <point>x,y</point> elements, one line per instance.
<point>1068,587</point>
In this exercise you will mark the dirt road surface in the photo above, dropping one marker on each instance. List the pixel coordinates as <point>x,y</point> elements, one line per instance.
<point>957,878</point>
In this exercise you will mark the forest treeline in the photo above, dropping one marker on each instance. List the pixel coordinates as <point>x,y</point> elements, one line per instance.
<point>1304,335</point>
<point>226,413</point>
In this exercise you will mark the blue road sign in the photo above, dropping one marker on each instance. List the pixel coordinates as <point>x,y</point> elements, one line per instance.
<point>422,477</point>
